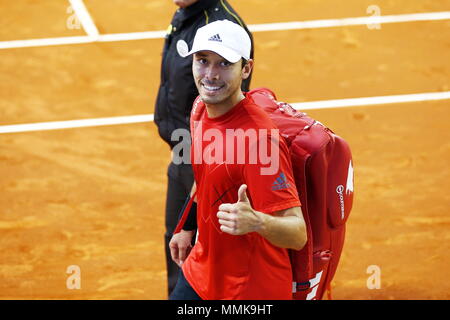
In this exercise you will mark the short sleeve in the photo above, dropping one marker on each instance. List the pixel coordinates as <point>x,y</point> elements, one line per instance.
<point>270,183</point>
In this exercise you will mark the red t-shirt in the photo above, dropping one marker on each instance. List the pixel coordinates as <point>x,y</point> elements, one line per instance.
<point>224,266</point>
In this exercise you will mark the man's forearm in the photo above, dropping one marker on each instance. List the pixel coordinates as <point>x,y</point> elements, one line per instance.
<point>287,231</point>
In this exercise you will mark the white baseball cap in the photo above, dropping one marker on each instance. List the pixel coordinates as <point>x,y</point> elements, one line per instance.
<point>223,37</point>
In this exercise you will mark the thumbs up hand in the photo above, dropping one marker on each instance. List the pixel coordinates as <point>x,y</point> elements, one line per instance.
<point>242,194</point>
<point>239,218</point>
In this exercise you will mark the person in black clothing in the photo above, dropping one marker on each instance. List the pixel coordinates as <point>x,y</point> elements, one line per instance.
<point>176,94</point>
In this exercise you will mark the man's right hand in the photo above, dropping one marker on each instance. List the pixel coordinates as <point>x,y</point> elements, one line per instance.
<point>180,246</point>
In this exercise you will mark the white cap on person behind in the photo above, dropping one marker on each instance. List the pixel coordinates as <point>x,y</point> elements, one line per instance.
<point>223,37</point>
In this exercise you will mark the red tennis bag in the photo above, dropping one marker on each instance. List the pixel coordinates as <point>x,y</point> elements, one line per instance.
<point>323,173</point>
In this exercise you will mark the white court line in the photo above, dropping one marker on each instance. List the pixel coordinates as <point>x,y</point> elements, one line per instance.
<point>132,36</point>
<point>41,126</point>
<point>81,39</point>
<point>329,23</point>
<point>296,25</point>
<point>44,42</point>
<point>85,18</point>
<point>354,102</point>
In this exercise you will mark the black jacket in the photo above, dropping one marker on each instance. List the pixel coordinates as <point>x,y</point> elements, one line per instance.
<point>177,90</point>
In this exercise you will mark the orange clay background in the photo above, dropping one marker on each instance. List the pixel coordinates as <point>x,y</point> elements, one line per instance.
<point>94,197</point>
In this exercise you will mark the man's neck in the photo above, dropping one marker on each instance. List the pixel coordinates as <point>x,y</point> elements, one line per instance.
<point>217,110</point>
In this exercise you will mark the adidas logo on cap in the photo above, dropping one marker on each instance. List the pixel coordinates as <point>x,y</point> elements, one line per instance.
<point>215,37</point>
<point>224,37</point>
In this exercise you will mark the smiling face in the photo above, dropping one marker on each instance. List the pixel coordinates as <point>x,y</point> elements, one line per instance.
<point>219,81</point>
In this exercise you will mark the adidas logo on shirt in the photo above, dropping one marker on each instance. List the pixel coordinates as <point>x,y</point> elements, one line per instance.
<point>280,183</point>
<point>215,37</point>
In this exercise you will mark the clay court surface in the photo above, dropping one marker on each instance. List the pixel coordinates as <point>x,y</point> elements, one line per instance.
<point>94,197</point>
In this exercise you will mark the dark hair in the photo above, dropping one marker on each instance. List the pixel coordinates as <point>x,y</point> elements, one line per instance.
<point>243,63</point>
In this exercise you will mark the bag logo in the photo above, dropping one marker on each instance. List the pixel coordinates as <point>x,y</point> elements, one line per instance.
<point>340,192</point>
<point>348,189</point>
<point>280,183</point>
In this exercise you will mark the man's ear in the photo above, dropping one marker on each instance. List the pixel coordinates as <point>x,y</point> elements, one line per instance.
<point>247,69</point>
